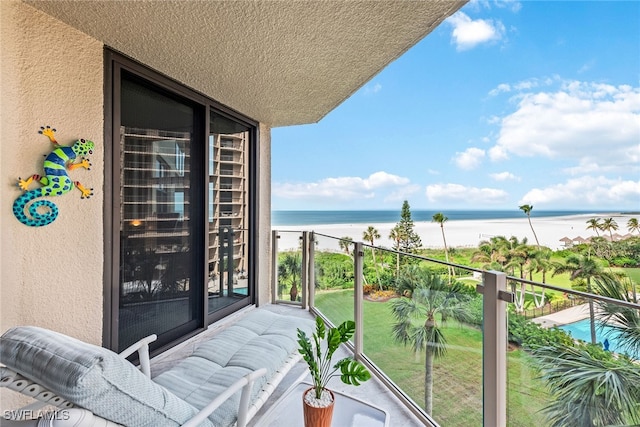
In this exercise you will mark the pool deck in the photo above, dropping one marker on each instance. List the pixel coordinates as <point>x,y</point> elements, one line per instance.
<point>570,315</point>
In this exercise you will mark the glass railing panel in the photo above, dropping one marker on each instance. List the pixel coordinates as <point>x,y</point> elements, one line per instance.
<point>289,267</point>
<point>574,357</point>
<point>401,288</point>
<point>334,278</point>
<point>539,352</point>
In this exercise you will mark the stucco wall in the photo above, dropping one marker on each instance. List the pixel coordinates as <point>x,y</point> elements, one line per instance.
<point>52,276</point>
<point>263,280</point>
<point>50,74</point>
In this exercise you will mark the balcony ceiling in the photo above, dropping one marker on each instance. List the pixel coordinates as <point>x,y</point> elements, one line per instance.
<point>279,62</point>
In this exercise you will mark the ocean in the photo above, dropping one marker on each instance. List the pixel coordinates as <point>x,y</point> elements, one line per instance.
<point>282,218</point>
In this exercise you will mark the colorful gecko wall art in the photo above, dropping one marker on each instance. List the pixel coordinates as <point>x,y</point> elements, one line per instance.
<point>55,181</point>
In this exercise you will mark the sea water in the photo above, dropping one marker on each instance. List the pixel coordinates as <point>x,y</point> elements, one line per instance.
<point>301,217</point>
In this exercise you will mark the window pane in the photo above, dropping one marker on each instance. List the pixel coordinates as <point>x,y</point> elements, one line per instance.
<point>228,212</point>
<point>157,288</point>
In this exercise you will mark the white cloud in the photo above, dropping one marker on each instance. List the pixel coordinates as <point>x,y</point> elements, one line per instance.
<point>470,159</point>
<point>456,194</point>
<point>586,191</point>
<point>371,89</point>
<point>504,176</point>
<point>502,87</point>
<point>497,153</point>
<point>587,123</point>
<point>468,33</point>
<point>341,188</point>
<point>586,67</point>
<point>402,193</point>
<point>514,5</point>
<point>494,120</point>
<point>524,85</point>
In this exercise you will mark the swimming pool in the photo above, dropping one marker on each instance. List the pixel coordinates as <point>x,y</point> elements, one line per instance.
<point>581,330</point>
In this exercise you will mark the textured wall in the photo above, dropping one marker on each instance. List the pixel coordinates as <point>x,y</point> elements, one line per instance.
<point>263,279</point>
<point>52,276</point>
<point>279,62</point>
<point>50,74</point>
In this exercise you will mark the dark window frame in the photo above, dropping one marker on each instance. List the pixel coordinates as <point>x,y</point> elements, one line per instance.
<point>115,63</point>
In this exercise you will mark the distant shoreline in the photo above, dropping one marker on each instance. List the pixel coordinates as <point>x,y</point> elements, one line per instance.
<point>313,217</point>
<point>461,233</point>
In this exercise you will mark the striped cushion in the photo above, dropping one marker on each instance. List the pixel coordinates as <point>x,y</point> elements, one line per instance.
<point>261,339</point>
<point>91,377</point>
<point>99,380</point>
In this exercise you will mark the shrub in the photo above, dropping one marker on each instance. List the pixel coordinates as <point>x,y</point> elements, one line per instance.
<point>624,262</point>
<point>531,335</point>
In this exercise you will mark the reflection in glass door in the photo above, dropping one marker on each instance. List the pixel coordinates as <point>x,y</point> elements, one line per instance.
<point>228,212</point>
<point>158,293</point>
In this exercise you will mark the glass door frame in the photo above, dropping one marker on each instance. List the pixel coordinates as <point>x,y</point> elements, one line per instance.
<point>115,64</point>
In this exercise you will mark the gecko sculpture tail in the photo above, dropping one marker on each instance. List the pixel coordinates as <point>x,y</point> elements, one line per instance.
<point>55,181</point>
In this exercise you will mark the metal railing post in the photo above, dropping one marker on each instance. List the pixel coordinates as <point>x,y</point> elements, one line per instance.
<point>358,297</point>
<point>304,274</point>
<point>311,275</point>
<point>274,266</point>
<point>494,349</point>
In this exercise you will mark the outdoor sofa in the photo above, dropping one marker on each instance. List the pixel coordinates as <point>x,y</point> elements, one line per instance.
<point>222,383</point>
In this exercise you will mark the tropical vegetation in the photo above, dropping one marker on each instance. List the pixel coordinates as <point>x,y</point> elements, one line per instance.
<point>428,301</point>
<point>591,387</point>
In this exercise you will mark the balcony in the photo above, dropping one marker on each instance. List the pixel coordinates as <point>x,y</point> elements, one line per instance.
<point>496,353</point>
<point>507,360</point>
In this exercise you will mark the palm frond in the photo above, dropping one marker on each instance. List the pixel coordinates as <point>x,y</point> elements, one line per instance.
<point>624,321</point>
<point>588,391</point>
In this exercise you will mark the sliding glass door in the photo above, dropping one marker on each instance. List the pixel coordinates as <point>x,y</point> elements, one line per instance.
<point>182,217</point>
<point>159,291</point>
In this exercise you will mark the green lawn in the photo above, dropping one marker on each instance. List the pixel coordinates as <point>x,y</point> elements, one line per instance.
<point>633,273</point>
<point>457,377</point>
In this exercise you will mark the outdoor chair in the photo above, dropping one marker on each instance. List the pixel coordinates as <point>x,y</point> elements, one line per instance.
<point>223,383</point>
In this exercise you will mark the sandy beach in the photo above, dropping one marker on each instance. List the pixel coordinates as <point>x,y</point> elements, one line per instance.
<point>466,233</point>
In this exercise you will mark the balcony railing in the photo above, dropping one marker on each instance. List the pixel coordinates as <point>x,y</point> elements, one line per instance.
<point>495,369</point>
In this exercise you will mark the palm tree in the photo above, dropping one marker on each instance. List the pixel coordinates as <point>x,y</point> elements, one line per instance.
<point>441,219</point>
<point>632,225</point>
<point>592,389</point>
<point>595,225</point>
<point>492,253</point>
<point>609,224</point>
<point>589,391</point>
<point>624,321</point>
<point>289,270</point>
<point>538,260</point>
<point>527,210</point>
<point>370,234</point>
<point>518,255</point>
<point>581,267</point>
<point>396,236</point>
<point>428,298</point>
<point>345,244</point>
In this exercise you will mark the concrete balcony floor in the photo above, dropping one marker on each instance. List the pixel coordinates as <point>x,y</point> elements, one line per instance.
<point>372,391</point>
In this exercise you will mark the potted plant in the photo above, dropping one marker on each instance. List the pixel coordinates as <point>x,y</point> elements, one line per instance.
<point>318,400</point>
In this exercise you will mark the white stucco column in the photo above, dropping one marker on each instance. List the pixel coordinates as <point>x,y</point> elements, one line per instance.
<point>263,276</point>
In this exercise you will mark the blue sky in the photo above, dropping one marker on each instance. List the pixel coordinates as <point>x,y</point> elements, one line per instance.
<point>505,103</point>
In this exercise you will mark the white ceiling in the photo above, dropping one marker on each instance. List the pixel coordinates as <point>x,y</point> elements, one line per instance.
<point>278,62</point>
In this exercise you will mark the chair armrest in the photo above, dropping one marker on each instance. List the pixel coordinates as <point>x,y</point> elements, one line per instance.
<point>43,397</point>
<point>245,383</point>
<point>142,347</point>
